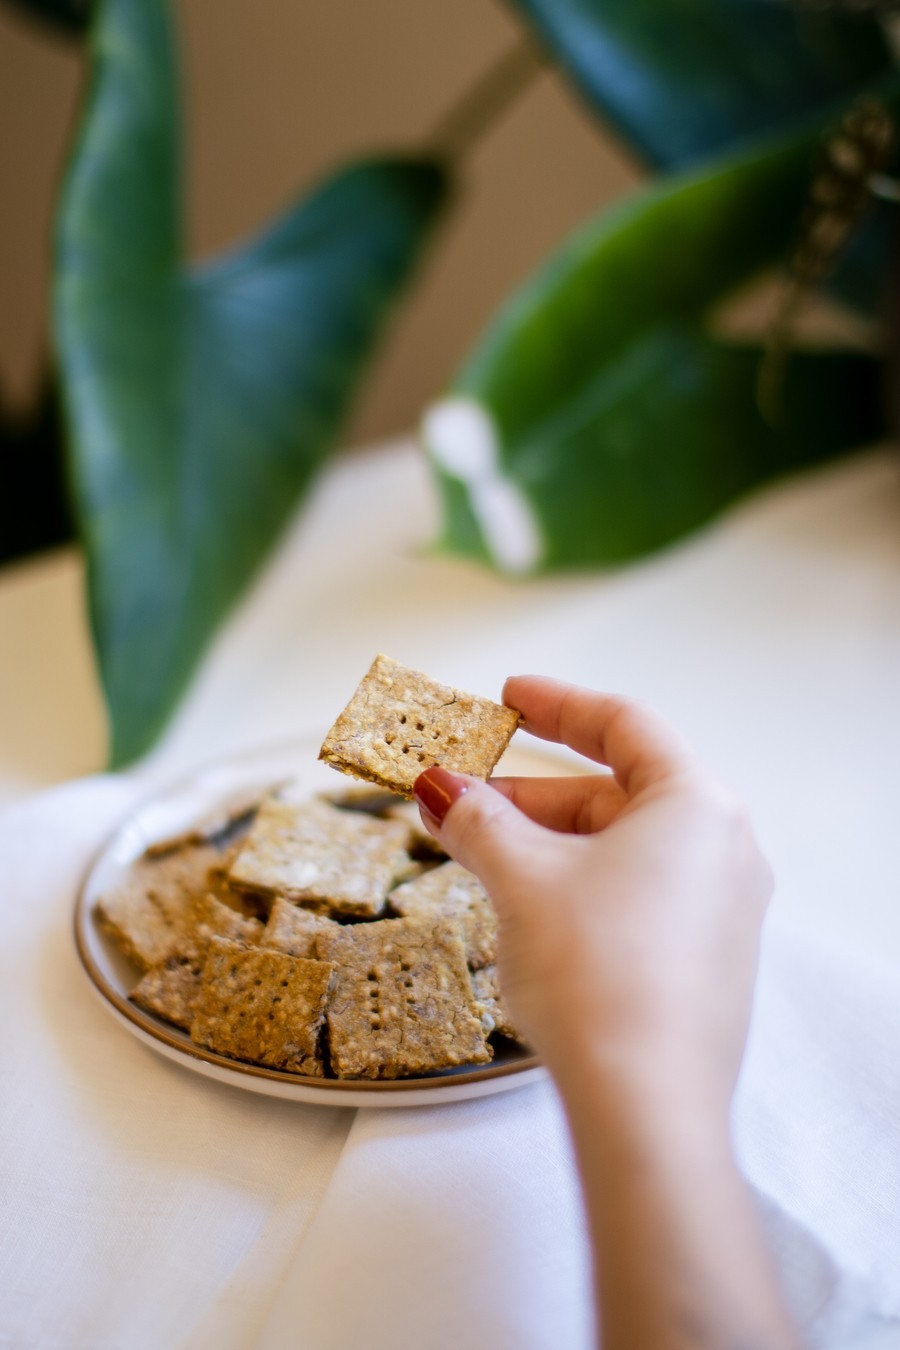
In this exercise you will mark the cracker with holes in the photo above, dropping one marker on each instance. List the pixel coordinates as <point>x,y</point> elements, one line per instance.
<point>170,988</point>
<point>146,913</point>
<point>422,845</point>
<point>312,853</point>
<point>223,825</point>
<point>361,797</point>
<point>452,892</point>
<point>262,1006</point>
<point>400,722</point>
<point>486,988</point>
<point>293,930</point>
<point>402,1000</point>
<point>390,806</point>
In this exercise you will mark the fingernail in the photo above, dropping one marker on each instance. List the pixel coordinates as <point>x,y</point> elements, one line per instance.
<point>436,790</point>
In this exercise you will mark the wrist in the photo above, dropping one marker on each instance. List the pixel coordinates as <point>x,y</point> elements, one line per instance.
<point>651,1088</point>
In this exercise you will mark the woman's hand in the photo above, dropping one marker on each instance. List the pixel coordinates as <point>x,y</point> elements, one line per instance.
<point>630,911</point>
<point>630,903</point>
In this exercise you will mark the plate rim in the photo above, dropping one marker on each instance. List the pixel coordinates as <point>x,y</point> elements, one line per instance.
<point>331,1090</point>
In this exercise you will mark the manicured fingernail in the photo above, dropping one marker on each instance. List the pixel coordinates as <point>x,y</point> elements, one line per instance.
<point>436,790</point>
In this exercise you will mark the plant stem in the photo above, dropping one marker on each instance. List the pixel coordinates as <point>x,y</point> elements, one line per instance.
<point>482,105</point>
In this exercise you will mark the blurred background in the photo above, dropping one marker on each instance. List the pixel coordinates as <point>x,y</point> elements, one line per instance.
<point>277,94</point>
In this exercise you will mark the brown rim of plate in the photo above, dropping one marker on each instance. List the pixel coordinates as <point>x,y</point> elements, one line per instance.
<point>160,1031</point>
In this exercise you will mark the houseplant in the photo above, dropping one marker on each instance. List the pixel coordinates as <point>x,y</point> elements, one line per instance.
<point>608,412</point>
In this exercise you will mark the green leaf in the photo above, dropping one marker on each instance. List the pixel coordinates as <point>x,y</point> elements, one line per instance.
<point>664,438</point>
<point>200,402</point>
<point>597,420</point>
<point>686,78</point>
<point>666,254</point>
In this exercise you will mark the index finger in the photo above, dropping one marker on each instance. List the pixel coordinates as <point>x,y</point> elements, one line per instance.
<point>631,738</point>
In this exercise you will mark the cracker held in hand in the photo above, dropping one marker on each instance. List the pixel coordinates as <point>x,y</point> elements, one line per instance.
<point>262,1006</point>
<point>312,853</point>
<point>401,722</point>
<point>402,1000</point>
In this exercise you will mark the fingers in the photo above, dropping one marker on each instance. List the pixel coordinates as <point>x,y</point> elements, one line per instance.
<point>637,744</point>
<point>479,827</point>
<point>577,805</point>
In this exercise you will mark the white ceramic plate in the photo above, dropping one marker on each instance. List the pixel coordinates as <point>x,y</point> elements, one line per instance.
<point>112,976</point>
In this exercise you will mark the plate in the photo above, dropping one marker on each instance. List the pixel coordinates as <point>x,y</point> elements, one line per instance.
<point>112,976</point>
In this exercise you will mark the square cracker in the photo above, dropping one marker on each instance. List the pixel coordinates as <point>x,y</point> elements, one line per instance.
<point>222,826</point>
<point>293,930</point>
<point>344,862</point>
<point>452,892</point>
<point>170,989</point>
<point>402,1000</point>
<point>486,988</point>
<point>422,845</point>
<point>146,913</point>
<point>400,722</point>
<point>389,806</point>
<point>262,1006</point>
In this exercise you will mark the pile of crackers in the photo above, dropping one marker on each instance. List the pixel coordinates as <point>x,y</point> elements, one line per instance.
<point>329,935</point>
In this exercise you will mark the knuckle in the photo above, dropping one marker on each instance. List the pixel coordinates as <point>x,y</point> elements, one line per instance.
<point>720,805</point>
<point>472,823</point>
<point>729,813</point>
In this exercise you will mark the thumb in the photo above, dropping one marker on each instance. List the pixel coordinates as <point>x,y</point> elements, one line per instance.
<point>478,826</point>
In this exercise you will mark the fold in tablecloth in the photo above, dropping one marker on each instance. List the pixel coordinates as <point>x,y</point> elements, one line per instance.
<point>142,1206</point>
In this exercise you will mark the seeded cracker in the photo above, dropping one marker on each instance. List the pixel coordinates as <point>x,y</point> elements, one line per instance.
<point>422,845</point>
<point>359,797</point>
<point>146,913</point>
<point>262,1006</point>
<point>221,826</point>
<point>452,892</point>
<point>400,722</point>
<point>170,989</point>
<point>293,930</point>
<point>343,862</point>
<point>402,1000</point>
<point>486,988</point>
<point>389,806</point>
<point>251,904</point>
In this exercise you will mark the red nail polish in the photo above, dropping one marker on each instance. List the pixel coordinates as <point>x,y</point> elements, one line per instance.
<point>436,790</point>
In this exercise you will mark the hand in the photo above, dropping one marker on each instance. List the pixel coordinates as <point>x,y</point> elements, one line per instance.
<point>630,903</point>
<point>630,910</point>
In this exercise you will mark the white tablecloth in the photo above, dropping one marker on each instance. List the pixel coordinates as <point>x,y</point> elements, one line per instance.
<point>141,1205</point>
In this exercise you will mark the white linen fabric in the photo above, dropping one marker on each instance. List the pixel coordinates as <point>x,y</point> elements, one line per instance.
<point>817,1125</point>
<point>143,1206</point>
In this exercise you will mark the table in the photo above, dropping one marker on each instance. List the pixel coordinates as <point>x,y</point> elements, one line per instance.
<point>142,1206</point>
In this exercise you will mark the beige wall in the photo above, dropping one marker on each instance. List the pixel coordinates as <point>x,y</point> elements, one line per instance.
<point>279,91</point>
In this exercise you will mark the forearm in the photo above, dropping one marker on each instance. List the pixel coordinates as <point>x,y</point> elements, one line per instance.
<point>631,907</point>
<point>679,1256</point>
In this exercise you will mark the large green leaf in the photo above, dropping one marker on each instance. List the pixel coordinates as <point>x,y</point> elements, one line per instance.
<point>682,79</point>
<point>598,420</point>
<point>200,402</point>
<point>663,438</point>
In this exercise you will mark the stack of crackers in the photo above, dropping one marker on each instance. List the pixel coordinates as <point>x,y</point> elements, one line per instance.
<point>330,936</point>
